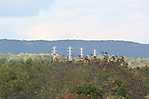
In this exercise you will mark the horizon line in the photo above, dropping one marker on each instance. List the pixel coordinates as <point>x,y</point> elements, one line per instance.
<point>30,40</point>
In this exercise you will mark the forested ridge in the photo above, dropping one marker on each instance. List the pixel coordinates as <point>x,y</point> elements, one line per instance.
<point>124,48</point>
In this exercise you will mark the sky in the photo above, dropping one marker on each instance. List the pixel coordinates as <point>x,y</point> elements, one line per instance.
<point>75,19</point>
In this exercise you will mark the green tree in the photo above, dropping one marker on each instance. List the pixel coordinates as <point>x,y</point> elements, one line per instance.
<point>89,90</point>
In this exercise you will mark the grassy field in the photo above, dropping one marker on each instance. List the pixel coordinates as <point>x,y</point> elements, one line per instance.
<point>33,76</point>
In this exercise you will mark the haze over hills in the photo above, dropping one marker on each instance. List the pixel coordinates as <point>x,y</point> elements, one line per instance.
<point>40,46</point>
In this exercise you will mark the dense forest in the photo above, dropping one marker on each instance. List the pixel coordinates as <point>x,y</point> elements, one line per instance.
<point>35,77</point>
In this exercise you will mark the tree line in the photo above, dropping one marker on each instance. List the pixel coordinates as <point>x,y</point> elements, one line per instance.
<point>35,77</point>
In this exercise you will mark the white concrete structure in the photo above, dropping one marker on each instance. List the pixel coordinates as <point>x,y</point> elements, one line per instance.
<point>69,53</point>
<point>94,52</point>
<point>81,52</point>
<point>54,54</point>
<point>53,50</point>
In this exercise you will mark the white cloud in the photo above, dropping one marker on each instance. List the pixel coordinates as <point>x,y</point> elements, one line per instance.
<point>22,8</point>
<point>84,19</point>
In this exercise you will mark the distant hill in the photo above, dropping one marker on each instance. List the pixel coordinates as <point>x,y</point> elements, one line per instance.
<point>113,47</point>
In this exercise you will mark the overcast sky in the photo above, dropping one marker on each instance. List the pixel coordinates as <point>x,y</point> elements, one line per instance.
<point>75,19</point>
